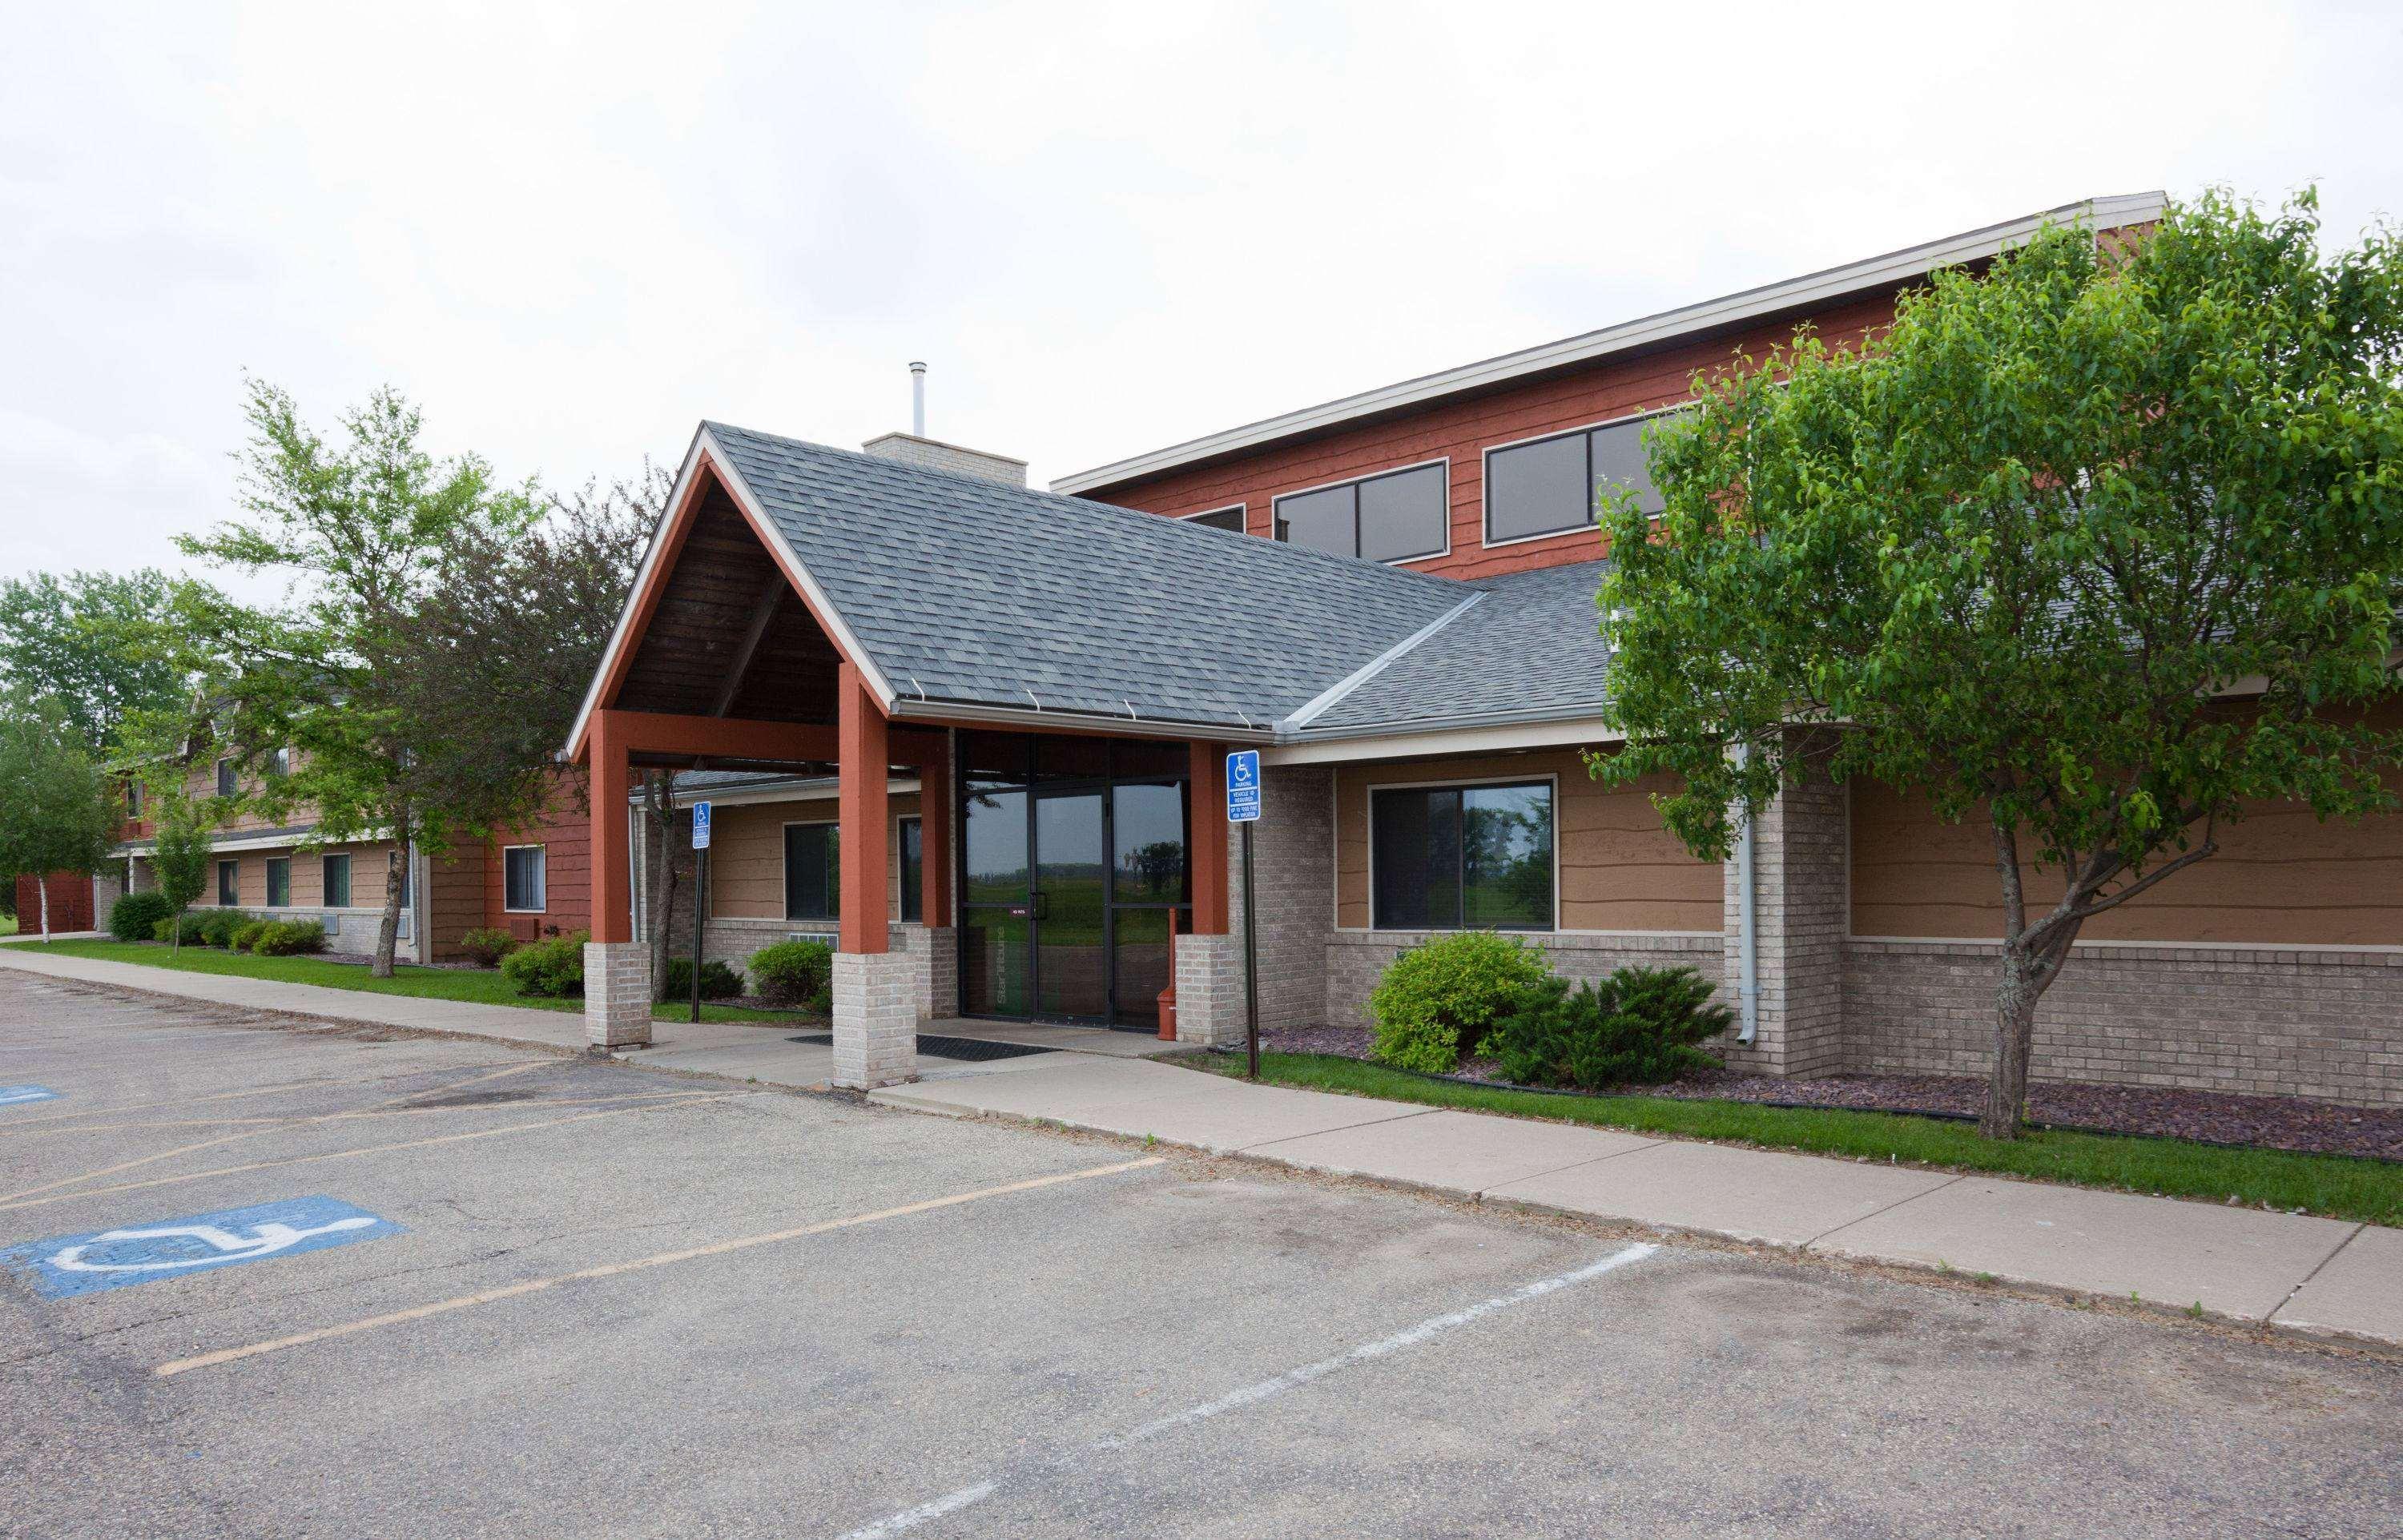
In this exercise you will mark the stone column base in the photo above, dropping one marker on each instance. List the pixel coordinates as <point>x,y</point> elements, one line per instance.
<point>617,994</point>
<point>1210,990</point>
<point>876,1002</point>
<point>934,958</point>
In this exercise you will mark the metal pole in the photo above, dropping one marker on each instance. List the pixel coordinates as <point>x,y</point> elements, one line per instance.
<point>700,906</point>
<point>1251,964</point>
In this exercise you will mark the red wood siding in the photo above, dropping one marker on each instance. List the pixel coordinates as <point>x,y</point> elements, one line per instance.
<point>1463,428</point>
<point>71,906</point>
<point>465,892</point>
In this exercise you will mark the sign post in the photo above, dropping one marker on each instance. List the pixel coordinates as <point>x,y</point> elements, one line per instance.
<point>700,894</point>
<point>1244,807</point>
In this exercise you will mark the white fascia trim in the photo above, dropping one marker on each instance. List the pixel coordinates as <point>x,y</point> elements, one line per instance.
<point>1565,732</point>
<point>907,709</point>
<point>1375,666</point>
<point>254,843</point>
<point>1894,268</point>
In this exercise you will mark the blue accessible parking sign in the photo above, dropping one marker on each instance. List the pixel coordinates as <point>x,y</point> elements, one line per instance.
<point>67,1265</point>
<point>1243,786</point>
<point>701,826</point>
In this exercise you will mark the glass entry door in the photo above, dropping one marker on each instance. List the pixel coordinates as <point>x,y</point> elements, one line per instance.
<point>1073,864</point>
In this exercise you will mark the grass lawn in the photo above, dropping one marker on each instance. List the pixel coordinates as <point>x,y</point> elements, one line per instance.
<point>469,984</point>
<point>8,924</point>
<point>2336,1186</point>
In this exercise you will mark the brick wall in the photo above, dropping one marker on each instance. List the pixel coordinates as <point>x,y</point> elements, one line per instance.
<point>1799,859</point>
<point>2325,1025</point>
<point>1294,855</point>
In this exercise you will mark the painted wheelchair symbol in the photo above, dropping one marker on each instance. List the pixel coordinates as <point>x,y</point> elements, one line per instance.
<point>265,1240</point>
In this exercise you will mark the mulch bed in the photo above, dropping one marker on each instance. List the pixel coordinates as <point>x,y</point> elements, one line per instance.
<point>2268,1122</point>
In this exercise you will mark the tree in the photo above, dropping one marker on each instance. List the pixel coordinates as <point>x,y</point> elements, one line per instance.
<point>181,856</point>
<point>60,812</point>
<point>363,530</point>
<point>92,641</point>
<point>2098,548</point>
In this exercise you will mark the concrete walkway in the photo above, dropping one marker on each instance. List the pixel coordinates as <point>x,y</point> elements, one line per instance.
<point>2316,1275</point>
<point>2306,1275</point>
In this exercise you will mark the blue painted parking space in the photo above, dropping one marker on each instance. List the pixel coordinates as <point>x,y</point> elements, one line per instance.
<point>12,1095</point>
<point>68,1265</point>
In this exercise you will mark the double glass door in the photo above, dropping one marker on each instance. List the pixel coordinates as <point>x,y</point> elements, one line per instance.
<point>1075,858</point>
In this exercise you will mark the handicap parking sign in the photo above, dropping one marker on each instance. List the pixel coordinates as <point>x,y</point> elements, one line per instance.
<point>67,1265</point>
<point>11,1095</point>
<point>1243,786</point>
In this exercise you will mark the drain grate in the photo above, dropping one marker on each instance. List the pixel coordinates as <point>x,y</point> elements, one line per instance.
<point>936,1046</point>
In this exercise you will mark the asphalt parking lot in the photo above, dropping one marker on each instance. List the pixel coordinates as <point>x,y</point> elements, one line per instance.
<point>269,1282</point>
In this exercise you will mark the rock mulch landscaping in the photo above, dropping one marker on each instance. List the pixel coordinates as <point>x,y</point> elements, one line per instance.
<point>2266,1122</point>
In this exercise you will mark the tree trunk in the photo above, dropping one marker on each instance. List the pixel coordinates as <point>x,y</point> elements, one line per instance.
<point>657,822</point>
<point>42,886</point>
<point>2014,1037</point>
<point>388,927</point>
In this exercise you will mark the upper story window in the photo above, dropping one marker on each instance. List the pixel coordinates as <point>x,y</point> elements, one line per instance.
<point>279,764</point>
<point>134,800</point>
<point>1395,515</point>
<point>226,786</point>
<point>1549,486</point>
<point>1231,519</point>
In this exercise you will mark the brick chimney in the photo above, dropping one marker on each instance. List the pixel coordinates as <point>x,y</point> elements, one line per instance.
<point>915,448</point>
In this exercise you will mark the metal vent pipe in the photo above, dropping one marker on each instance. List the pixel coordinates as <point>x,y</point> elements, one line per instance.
<point>918,400</point>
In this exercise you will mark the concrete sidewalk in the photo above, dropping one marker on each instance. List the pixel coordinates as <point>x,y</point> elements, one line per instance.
<point>2313,1275</point>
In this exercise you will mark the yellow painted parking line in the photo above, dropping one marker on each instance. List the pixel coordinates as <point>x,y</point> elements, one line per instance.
<point>613,1270</point>
<point>367,1150</point>
<point>456,1086</point>
<point>19,1123</point>
<point>129,1165</point>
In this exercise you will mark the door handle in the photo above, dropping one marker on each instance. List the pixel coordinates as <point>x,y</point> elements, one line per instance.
<point>1039,903</point>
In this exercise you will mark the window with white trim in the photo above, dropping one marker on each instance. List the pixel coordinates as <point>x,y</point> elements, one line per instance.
<point>279,881</point>
<point>1550,486</point>
<point>522,879</point>
<point>337,882</point>
<point>228,884</point>
<point>227,783</point>
<point>1394,516</point>
<point>1476,858</point>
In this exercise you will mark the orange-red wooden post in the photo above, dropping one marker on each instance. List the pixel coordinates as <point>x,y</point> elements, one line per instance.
<point>611,782</point>
<point>865,768</point>
<point>935,839</point>
<point>1209,833</point>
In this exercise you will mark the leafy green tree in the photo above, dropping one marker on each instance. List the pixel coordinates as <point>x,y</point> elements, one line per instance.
<point>2096,549</point>
<point>362,528</point>
<point>60,812</point>
<point>93,641</point>
<point>183,851</point>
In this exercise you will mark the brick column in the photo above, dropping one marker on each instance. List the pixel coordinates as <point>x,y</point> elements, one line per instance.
<point>1210,989</point>
<point>1800,847</point>
<point>876,1002</point>
<point>617,994</point>
<point>933,951</point>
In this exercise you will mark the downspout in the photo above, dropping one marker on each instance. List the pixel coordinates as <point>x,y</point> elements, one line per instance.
<point>1747,924</point>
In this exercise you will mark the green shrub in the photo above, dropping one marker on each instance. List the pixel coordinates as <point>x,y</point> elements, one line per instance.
<point>1638,1027</point>
<point>191,928</point>
<point>218,925</point>
<point>552,969</point>
<point>1437,1000</point>
<point>164,930</point>
<point>245,934</point>
<point>486,946</point>
<point>288,938</point>
<point>788,973</point>
<point>717,981</point>
<point>135,917</point>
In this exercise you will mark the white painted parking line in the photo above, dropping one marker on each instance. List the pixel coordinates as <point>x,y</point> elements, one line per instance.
<point>1263,1390</point>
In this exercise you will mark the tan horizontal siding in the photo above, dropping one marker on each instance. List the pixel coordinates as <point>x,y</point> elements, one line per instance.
<point>1619,867</point>
<point>746,854</point>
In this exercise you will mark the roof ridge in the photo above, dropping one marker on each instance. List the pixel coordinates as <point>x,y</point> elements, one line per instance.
<point>1326,698</point>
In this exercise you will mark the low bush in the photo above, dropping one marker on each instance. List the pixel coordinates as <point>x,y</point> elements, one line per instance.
<point>218,925</point>
<point>552,969</point>
<point>164,930</point>
<point>190,929</point>
<point>486,946</point>
<point>717,981</point>
<point>288,938</point>
<point>1437,1000</point>
<point>135,917</point>
<point>791,973</point>
<point>244,934</point>
<point>1638,1027</point>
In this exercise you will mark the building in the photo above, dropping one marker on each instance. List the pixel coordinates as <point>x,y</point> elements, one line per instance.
<point>1391,596</point>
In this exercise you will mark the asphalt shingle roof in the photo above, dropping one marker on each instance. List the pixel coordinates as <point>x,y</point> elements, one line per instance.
<point>971,591</point>
<point>1533,645</point>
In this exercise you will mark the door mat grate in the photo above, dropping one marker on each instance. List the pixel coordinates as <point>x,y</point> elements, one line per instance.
<point>939,1047</point>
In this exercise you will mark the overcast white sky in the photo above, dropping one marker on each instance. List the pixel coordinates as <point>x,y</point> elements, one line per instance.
<point>571,231</point>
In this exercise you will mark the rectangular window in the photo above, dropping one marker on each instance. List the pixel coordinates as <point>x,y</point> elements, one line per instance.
<point>1549,486</point>
<point>1461,857</point>
<point>812,871</point>
<point>337,883</point>
<point>279,764</point>
<point>1398,516</point>
<point>226,785</point>
<point>914,869</point>
<point>1229,519</point>
<point>279,881</point>
<point>228,884</point>
<point>134,800</point>
<point>522,879</point>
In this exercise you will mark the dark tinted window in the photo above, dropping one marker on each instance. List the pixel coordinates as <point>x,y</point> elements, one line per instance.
<point>1537,489</point>
<point>1618,460</point>
<point>229,876</point>
<point>1221,518</point>
<point>812,871</point>
<point>1147,829</point>
<point>279,879</point>
<point>914,869</point>
<point>1452,857</point>
<point>337,882</point>
<point>1321,521</point>
<point>1404,516</point>
<point>225,778</point>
